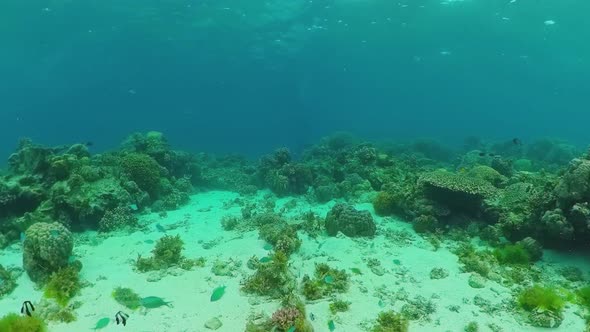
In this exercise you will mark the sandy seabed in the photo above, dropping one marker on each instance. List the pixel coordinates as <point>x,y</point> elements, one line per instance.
<point>406,261</point>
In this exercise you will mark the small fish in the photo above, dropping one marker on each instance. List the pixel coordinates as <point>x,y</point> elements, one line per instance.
<point>291,329</point>
<point>102,323</point>
<point>149,241</point>
<point>121,317</point>
<point>152,302</point>
<point>549,22</point>
<point>89,143</point>
<point>482,154</point>
<point>217,293</point>
<point>311,316</point>
<point>22,237</point>
<point>267,246</point>
<point>160,228</point>
<point>133,207</point>
<point>265,259</point>
<point>328,279</point>
<point>462,170</point>
<point>396,262</point>
<point>356,270</point>
<point>54,232</point>
<point>516,141</point>
<point>381,303</point>
<point>491,154</point>
<point>331,325</point>
<point>27,308</point>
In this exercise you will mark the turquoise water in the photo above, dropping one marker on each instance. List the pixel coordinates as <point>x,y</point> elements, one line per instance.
<point>273,166</point>
<point>209,73</point>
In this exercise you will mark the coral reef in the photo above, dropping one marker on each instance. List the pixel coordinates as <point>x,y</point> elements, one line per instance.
<point>7,282</point>
<point>143,170</point>
<point>118,218</point>
<point>351,222</point>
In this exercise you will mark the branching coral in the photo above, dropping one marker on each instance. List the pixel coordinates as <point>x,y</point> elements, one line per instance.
<point>167,253</point>
<point>326,281</point>
<point>271,279</point>
<point>63,285</point>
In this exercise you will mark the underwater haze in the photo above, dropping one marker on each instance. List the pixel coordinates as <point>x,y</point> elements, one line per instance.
<point>248,76</point>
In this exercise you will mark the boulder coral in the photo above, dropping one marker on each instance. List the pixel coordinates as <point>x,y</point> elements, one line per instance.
<point>46,249</point>
<point>351,222</point>
<point>143,170</point>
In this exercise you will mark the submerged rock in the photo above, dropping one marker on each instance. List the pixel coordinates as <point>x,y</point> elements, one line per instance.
<point>476,281</point>
<point>213,323</point>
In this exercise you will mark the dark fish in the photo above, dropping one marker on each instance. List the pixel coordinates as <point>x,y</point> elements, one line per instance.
<point>482,154</point>
<point>516,141</point>
<point>491,154</point>
<point>160,228</point>
<point>121,317</point>
<point>27,308</point>
<point>311,316</point>
<point>89,144</point>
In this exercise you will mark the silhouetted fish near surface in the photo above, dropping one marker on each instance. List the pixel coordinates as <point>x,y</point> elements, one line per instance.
<point>516,141</point>
<point>27,308</point>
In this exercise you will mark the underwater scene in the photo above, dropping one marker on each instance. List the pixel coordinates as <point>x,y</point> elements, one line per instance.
<point>294,165</point>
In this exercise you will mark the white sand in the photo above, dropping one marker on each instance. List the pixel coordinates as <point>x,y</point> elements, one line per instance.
<point>108,264</point>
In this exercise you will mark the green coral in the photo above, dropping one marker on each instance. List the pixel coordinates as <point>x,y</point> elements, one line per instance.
<point>127,297</point>
<point>512,254</point>
<point>63,285</point>
<point>16,323</point>
<point>326,281</point>
<point>390,321</point>
<point>167,253</point>
<point>544,298</point>
<point>472,327</point>
<point>339,306</point>
<point>271,279</point>
<point>143,170</point>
